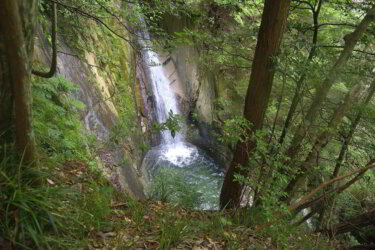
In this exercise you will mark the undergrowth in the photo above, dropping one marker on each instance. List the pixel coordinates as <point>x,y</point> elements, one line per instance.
<point>66,203</point>
<point>46,206</point>
<point>56,120</point>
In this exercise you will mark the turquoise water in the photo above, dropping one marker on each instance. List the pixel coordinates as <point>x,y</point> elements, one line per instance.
<point>196,168</point>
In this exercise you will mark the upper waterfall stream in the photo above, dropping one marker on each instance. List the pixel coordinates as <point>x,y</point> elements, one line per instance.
<point>188,161</point>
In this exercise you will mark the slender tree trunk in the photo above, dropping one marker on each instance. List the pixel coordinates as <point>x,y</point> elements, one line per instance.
<point>333,192</point>
<point>274,17</point>
<point>301,80</point>
<point>332,76</point>
<point>18,46</point>
<point>344,148</point>
<point>353,127</point>
<point>321,141</point>
<point>330,195</point>
<point>307,200</point>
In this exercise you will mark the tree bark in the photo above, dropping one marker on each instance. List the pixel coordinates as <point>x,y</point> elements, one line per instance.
<point>6,98</point>
<point>269,39</point>
<point>350,41</point>
<point>18,46</point>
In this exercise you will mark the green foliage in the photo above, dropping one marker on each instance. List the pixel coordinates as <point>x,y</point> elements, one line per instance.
<point>171,232</point>
<point>96,206</point>
<point>234,130</point>
<point>37,215</point>
<point>169,186</point>
<point>31,215</point>
<point>56,121</point>
<point>172,124</point>
<point>266,174</point>
<point>224,32</point>
<point>138,212</point>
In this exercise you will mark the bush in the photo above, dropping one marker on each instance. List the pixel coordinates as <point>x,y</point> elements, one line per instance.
<point>56,122</point>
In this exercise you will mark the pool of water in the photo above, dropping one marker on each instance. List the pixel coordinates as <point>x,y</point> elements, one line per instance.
<point>191,163</point>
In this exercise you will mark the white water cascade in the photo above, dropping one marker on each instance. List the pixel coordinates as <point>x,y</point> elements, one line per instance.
<point>174,152</point>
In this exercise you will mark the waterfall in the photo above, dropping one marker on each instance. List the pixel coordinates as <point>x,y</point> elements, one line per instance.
<point>176,150</point>
<point>164,97</point>
<point>194,165</point>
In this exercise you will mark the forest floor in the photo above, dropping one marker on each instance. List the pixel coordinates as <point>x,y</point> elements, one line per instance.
<point>126,223</point>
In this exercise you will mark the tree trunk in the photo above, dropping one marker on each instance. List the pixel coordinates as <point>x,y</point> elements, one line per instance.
<point>18,35</point>
<point>321,141</point>
<point>353,127</point>
<point>269,39</point>
<point>6,98</point>
<point>307,200</point>
<point>332,76</point>
<point>340,158</point>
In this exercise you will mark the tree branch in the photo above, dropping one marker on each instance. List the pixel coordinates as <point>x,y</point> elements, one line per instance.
<point>341,47</point>
<point>299,3</point>
<point>97,19</point>
<point>115,16</point>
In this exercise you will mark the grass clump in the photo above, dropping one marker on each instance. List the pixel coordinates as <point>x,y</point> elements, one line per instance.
<point>172,233</point>
<point>40,209</point>
<point>31,216</point>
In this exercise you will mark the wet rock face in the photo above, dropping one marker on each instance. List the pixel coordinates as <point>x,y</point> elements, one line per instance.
<point>209,144</point>
<point>100,114</point>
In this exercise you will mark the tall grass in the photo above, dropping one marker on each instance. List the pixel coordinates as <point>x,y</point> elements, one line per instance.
<point>31,215</point>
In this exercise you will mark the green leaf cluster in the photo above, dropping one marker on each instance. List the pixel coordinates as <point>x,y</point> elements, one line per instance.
<point>56,119</point>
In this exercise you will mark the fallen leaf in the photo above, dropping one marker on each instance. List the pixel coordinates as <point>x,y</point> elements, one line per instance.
<point>199,248</point>
<point>213,243</point>
<point>50,182</point>
<point>198,242</point>
<point>106,235</point>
